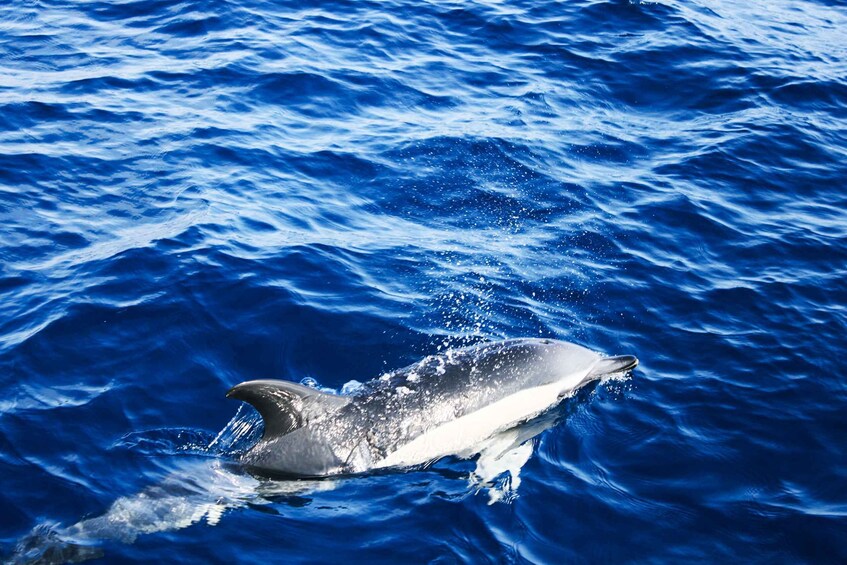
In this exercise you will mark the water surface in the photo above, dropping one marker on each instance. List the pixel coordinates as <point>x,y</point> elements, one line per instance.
<point>193,194</point>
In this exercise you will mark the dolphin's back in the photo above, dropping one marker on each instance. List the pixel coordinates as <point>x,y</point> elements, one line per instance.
<point>409,402</point>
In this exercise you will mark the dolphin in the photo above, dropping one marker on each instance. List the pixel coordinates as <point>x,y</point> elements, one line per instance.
<point>446,404</point>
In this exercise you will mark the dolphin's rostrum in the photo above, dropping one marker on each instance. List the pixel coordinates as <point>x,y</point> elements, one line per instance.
<point>446,404</point>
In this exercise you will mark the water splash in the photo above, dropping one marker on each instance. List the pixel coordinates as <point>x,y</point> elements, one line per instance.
<point>242,431</point>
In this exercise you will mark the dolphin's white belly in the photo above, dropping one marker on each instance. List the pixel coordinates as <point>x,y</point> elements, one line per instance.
<point>464,435</point>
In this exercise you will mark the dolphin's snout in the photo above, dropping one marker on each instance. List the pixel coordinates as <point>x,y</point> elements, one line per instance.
<point>611,365</point>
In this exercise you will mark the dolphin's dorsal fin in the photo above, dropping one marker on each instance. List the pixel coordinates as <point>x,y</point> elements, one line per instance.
<point>285,406</point>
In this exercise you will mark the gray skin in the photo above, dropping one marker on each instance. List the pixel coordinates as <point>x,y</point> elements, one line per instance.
<point>310,433</point>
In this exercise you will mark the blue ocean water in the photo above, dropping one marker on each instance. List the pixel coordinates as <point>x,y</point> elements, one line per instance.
<point>194,194</point>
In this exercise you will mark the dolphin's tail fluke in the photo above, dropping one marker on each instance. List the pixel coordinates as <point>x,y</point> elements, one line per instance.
<point>612,365</point>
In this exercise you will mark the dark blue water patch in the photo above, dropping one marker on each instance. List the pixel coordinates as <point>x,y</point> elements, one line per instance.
<point>129,10</point>
<point>493,191</point>
<point>110,83</point>
<point>827,96</point>
<point>193,27</point>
